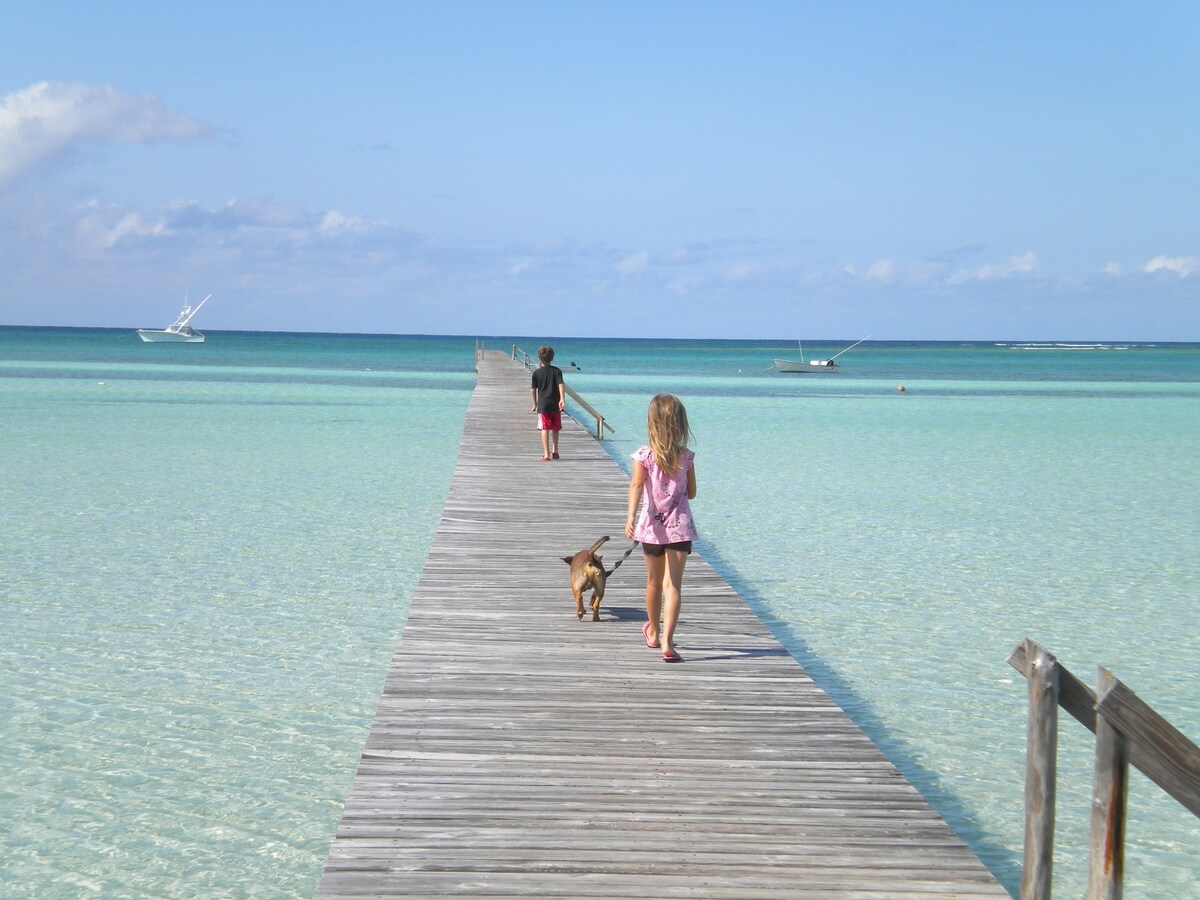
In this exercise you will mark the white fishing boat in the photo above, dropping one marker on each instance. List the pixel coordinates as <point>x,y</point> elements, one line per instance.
<point>179,331</point>
<point>813,365</point>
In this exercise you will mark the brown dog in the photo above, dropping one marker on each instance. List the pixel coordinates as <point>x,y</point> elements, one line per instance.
<point>587,571</point>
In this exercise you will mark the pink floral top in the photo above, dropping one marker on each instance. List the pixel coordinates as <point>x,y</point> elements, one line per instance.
<point>666,516</point>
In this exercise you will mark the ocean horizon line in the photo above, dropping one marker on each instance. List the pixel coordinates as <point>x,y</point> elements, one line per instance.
<point>548,338</point>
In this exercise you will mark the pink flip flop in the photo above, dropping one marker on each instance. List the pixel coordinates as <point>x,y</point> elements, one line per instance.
<point>672,657</point>
<point>646,628</point>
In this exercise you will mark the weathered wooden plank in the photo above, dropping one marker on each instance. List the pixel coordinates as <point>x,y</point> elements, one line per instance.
<point>1163,753</point>
<point>517,751</point>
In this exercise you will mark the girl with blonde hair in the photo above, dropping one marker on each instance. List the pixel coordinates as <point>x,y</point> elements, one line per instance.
<point>663,481</point>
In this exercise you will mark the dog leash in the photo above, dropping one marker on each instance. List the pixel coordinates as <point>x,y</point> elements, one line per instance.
<point>632,547</point>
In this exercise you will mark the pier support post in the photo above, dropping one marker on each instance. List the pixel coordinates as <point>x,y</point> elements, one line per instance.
<point>1041,762</point>
<point>1110,791</point>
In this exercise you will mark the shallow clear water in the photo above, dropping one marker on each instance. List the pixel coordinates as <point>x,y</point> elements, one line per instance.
<point>208,557</point>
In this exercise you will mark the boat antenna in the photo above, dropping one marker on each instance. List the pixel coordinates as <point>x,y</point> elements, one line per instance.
<point>194,311</point>
<point>851,347</point>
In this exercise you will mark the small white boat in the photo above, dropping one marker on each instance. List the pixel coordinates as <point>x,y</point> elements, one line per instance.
<point>813,366</point>
<point>179,331</point>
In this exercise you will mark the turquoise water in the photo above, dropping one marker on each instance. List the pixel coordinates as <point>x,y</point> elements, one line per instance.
<point>208,553</point>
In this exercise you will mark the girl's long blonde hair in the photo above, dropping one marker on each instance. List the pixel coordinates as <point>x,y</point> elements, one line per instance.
<point>667,426</point>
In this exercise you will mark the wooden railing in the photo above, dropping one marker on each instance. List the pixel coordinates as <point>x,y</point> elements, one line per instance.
<point>1128,732</point>
<point>530,362</point>
<point>522,357</point>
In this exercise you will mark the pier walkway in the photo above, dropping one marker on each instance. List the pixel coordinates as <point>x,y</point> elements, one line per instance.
<point>519,752</point>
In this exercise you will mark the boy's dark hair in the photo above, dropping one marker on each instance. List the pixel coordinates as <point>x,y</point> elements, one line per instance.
<point>545,354</point>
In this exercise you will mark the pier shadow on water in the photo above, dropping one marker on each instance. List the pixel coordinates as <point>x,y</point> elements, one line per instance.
<point>1003,862</point>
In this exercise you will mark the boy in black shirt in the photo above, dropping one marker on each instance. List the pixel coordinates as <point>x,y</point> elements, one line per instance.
<point>548,393</point>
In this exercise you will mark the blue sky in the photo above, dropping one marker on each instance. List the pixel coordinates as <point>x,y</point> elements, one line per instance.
<point>908,170</point>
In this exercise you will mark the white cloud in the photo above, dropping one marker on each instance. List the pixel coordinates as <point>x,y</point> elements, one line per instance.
<point>334,222</point>
<point>749,264</point>
<point>257,228</point>
<point>634,263</point>
<point>1112,268</point>
<point>890,272</point>
<point>883,271</point>
<point>45,121</point>
<point>100,229</point>
<point>1016,265</point>
<point>684,285</point>
<point>1183,266</point>
<point>743,271</point>
<point>1027,262</point>
<point>253,213</point>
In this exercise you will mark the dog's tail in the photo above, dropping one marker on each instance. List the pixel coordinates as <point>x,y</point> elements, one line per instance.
<point>632,547</point>
<point>600,543</point>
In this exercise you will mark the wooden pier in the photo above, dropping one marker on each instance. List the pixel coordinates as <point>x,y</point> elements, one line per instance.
<point>519,752</point>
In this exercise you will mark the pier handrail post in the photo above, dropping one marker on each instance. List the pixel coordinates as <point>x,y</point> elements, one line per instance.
<point>1110,793</point>
<point>1129,734</point>
<point>1041,763</point>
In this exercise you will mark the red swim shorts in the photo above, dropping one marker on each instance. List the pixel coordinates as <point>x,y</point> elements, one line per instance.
<point>551,421</point>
